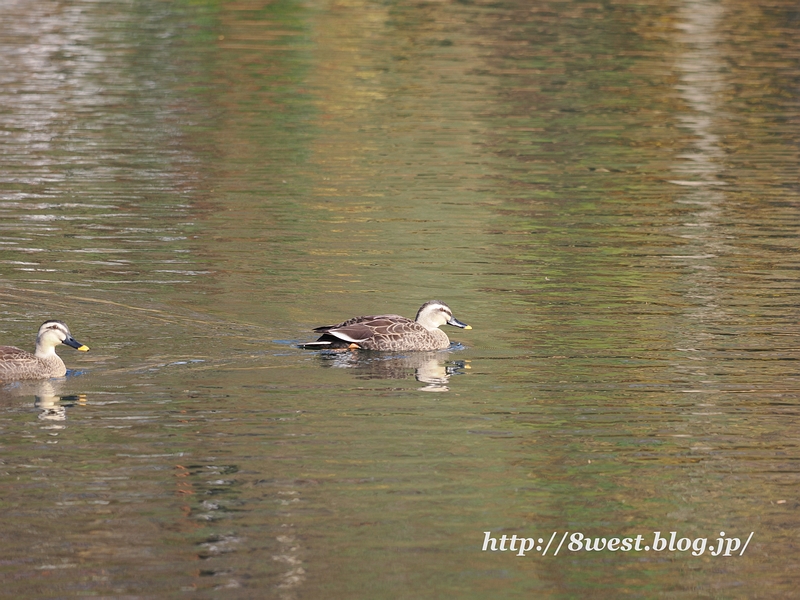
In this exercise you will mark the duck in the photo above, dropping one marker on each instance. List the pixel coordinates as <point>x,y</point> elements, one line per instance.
<point>391,332</point>
<point>44,363</point>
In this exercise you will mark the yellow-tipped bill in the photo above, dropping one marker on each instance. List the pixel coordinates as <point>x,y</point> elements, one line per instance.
<point>73,343</point>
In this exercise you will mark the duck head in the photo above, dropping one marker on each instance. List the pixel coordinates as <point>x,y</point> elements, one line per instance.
<point>435,313</point>
<point>53,333</point>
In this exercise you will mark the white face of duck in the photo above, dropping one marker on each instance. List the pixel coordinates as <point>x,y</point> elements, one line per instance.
<point>53,333</point>
<point>433,314</point>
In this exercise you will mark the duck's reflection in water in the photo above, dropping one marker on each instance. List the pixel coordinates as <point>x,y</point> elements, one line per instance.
<point>431,368</point>
<point>48,397</point>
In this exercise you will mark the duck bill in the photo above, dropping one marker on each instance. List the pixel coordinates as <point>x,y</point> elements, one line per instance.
<point>73,343</point>
<point>456,323</point>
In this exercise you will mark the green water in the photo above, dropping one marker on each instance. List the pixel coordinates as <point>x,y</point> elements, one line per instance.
<point>607,192</point>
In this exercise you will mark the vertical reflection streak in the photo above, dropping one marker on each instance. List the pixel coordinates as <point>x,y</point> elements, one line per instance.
<point>701,85</point>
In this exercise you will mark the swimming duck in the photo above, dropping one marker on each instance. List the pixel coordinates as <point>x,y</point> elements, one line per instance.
<point>16,364</point>
<point>391,332</point>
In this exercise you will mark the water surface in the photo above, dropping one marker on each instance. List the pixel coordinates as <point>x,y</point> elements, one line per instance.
<point>606,192</point>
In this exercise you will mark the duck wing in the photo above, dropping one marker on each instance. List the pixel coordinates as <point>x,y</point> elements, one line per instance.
<point>352,333</point>
<point>366,321</point>
<point>381,332</point>
<point>10,353</point>
<point>12,359</point>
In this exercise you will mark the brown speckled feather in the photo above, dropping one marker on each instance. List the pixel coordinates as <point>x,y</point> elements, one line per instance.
<point>12,353</point>
<point>369,321</point>
<point>17,364</point>
<point>383,332</point>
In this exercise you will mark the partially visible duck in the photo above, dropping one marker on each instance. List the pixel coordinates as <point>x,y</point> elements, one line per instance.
<point>16,364</point>
<point>391,332</point>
